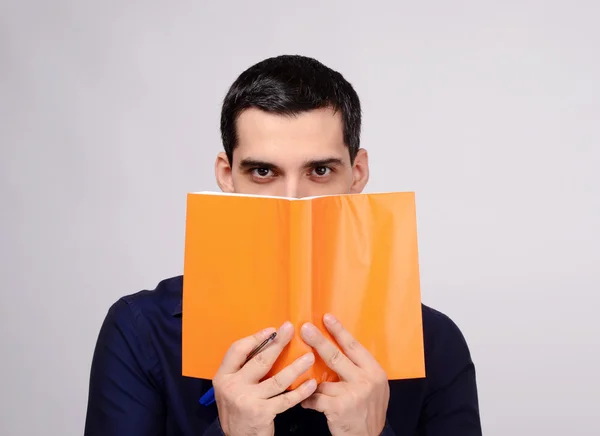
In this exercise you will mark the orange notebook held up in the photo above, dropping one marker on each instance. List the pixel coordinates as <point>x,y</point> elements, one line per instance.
<point>253,262</point>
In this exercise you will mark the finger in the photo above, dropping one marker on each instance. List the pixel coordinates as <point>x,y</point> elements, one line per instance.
<point>331,389</point>
<point>331,354</point>
<point>283,379</point>
<point>236,354</point>
<point>286,401</point>
<point>261,364</point>
<point>319,402</point>
<point>350,346</point>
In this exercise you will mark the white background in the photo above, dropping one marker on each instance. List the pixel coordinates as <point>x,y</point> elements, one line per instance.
<point>490,111</point>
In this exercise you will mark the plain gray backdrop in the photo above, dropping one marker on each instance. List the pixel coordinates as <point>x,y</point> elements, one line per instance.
<point>489,111</point>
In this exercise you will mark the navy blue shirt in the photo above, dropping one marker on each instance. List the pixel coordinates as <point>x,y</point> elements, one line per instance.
<point>136,386</point>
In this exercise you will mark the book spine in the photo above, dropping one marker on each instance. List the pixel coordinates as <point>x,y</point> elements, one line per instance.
<point>300,287</point>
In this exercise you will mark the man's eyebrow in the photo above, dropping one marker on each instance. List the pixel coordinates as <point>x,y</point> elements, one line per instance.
<point>330,161</point>
<point>255,163</point>
<point>313,163</point>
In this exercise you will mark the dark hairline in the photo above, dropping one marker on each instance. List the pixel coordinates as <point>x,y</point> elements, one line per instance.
<point>288,86</point>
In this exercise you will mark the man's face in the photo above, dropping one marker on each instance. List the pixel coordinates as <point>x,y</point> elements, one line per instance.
<point>291,156</point>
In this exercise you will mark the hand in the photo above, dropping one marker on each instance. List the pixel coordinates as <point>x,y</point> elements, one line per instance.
<point>357,404</point>
<point>245,404</point>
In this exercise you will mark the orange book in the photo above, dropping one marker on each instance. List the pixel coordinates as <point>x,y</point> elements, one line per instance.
<point>253,262</point>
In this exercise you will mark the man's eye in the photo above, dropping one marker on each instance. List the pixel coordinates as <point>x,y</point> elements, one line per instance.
<point>322,171</point>
<point>262,172</point>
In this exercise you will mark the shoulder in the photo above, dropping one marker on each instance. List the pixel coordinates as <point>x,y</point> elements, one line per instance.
<point>438,327</point>
<point>446,349</point>
<point>131,320</point>
<point>164,299</point>
<point>136,311</point>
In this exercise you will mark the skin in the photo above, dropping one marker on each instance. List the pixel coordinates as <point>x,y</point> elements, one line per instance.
<point>291,156</point>
<point>297,156</point>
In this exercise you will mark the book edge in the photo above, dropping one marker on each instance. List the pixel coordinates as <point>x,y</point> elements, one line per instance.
<point>234,194</point>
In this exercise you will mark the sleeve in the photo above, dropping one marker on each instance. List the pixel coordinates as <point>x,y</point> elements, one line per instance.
<point>451,406</point>
<point>124,398</point>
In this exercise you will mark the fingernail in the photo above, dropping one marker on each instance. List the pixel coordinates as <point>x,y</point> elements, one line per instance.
<point>309,331</point>
<point>311,384</point>
<point>286,327</point>
<point>268,331</point>
<point>329,319</point>
<point>308,358</point>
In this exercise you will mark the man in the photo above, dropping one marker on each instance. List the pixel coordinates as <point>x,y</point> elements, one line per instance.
<point>290,127</point>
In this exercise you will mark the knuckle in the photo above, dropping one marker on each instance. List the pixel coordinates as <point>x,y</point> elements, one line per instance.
<point>287,401</point>
<point>345,427</point>
<point>365,383</point>
<point>224,386</point>
<point>241,403</point>
<point>278,384</point>
<point>236,347</point>
<point>362,397</point>
<point>365,388</point>
<point>348,401</point>
<point>335,357</point>
<point>255,411</point>
<point>251,409</point>
<point>261,360</point>
<point>353,344</point>
<point>253,414</point>
<point>352,405</point>
<point>379,376</point>
<point>334,413</point>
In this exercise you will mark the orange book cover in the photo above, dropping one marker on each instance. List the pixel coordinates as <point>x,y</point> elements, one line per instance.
<point>253,262</point>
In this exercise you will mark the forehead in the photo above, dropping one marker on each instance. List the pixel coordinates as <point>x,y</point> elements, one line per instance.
<point>289,139</point>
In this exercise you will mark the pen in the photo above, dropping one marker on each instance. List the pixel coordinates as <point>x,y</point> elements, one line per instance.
<point>209,396</point>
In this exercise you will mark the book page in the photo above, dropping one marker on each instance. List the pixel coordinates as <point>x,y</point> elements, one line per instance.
<point>236,275</point>
<point>365,272</point>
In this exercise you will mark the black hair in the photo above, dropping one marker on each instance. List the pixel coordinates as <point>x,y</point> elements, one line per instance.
<point>288,85</point>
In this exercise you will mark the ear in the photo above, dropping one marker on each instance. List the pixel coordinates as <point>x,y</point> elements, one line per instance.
<point>223,173</point>
<point>360,171</point>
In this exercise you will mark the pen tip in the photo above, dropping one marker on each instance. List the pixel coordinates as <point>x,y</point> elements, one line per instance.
<point>272,335</point>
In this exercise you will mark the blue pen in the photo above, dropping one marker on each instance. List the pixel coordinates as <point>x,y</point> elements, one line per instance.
<point>209,396</point>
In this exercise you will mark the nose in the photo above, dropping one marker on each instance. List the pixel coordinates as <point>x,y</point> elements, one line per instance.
<point>292,188</point>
